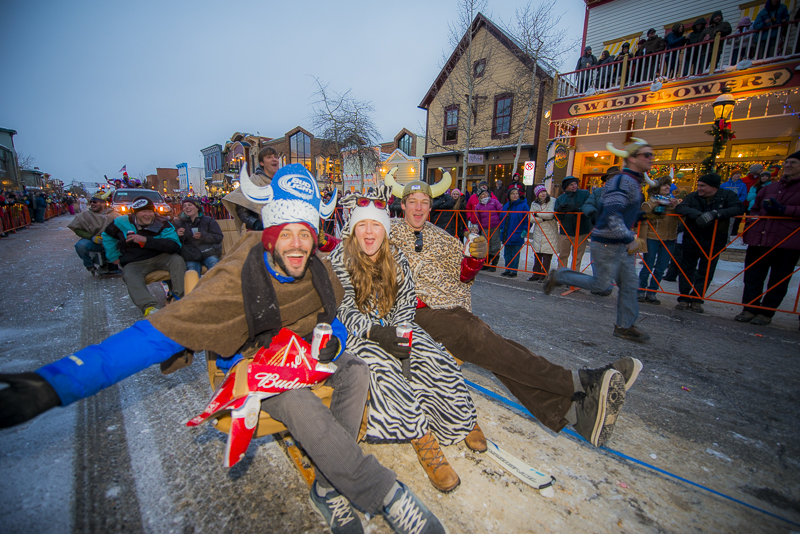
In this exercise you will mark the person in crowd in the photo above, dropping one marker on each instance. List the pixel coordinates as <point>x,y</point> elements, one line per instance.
<point>200,235</point>
<point>543,233</point>
<point>584,62</point>
<point>706,215</point>
<point>752,175</point>
<point>625,52</point>
<point>659,237</point>
<point>70,202</point>
<point>141,243</point>
<point>89,226</point>
<point>245,213</point>
<point>589,400</point>
<point>741,49</point>
<point>568,205</point>
<point>674,40</point>
<point>443,214</point>
<point>515,228</point>
<point>763,179</point>
<point>474,200</point>
<point>605,76</point>
<point>614,240</point>
<point>716,26</point>
<point>694,57</point>
<point>41,207</point>
<point>773,245</point>
<point>82,204</point>
<point>456,226</point>
<point>774,12</point>
<point>417,393</point>
<point>278,266</point>
<point>487,212</point>
<point>654,44</point>
<point>500,192</point>
<point>735,184</point>
<point>516,183</point>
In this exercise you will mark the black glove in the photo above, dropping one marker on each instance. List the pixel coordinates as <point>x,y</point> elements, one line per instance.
<point>329,351</point>
<point>386,338</point>
<point>706,218</point>
<point>592,217</point>
<point>26,396</point>
<point>774,207</point>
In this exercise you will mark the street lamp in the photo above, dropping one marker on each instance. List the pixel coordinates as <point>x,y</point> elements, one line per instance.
<point>723,105</point>
<point>721,129</point>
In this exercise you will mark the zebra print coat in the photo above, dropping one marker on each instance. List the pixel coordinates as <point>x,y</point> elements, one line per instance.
<point>435,398</point>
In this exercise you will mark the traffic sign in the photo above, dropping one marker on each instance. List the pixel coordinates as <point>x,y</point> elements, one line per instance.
<point>530,168</point>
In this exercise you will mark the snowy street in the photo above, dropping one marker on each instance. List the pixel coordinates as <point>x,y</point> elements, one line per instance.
<point>714,406</point>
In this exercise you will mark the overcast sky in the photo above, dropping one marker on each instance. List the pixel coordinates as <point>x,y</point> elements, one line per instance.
<point>97,85</point>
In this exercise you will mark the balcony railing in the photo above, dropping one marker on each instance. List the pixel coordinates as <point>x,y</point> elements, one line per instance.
<point>739,50</point>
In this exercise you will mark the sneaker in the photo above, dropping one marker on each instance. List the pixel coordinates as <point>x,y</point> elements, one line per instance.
<point>631,334</point>
<point>761,320</point>
<point>744,317</point>
<point>605,293</point>
<point>681,305</point>
<point>512,274</point>
<point>641,297</point>
<point>652,299</point>
<point>406,514</point>
<point>550,282</point>
<point>337,511</point>
<point>505,273</point>
<point>628,367</point>
<point>599,406</point>
<point>696,307</point>
<point>150,310</point>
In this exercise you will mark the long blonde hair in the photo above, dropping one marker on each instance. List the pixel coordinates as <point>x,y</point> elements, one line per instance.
<point>375,283</point>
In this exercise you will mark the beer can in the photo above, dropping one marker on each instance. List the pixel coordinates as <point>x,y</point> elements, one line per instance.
<point>322,333</point>
<point>404,330</point>
<point>469,239</point>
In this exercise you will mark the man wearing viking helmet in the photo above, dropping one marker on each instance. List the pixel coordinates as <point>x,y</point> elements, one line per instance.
<point>615,241</point>
<point>443,271</point>
<point>272,281</point>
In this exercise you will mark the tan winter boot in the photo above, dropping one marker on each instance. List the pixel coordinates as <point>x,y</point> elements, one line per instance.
<point>436,466</point>
<point>475,440</point>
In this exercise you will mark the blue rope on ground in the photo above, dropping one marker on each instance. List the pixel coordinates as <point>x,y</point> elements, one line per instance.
<point>571,432</point>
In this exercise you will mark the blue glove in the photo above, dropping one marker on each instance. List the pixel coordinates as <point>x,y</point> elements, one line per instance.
<point>774,207</point>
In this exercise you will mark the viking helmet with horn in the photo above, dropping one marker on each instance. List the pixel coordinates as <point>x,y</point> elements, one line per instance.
<point>631,150</point>
<point>417,186</point>
<point>292,197</point>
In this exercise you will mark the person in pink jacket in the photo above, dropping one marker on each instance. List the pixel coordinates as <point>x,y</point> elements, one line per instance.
<point>474,199</point>
<point>488,216</point>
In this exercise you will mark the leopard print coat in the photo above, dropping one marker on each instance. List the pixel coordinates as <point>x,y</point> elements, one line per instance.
<point>437,268</point>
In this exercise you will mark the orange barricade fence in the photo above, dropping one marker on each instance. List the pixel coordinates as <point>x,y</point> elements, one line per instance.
<point>14,217</point>
<point>216,211</point>
<point>55,209</point>
<point>462,218</point>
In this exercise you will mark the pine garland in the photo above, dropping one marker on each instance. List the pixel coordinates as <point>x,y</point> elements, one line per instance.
<point>721,137</point>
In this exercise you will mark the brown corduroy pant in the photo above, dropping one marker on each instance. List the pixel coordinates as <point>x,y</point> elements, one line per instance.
<point>544,388</point>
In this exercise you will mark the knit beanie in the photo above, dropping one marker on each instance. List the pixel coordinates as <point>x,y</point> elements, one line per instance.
<point>141,204</point>
<point>796,155</point>
<point>538,190</point>
<point>367,213</point>
<point>270,235</point>
<point>756,168</point>
<point>713,179</point>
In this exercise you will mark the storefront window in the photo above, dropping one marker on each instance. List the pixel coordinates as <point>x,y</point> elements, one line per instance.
<point>476,170</point>
<point>500,172</point>
<point>662,154</point>
<point>693,153</point>
<point>760,150</point>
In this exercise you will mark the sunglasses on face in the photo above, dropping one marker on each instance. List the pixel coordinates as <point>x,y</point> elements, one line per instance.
<point>418,242</point>
<point>363,202</point>
<point>648,155</point>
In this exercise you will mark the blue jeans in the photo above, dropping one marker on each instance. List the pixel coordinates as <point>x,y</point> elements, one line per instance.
<point>510,252</point>
<point>83,247</point>
<point>657,254</point>
<point>610,263</point>
<point>209,262</point>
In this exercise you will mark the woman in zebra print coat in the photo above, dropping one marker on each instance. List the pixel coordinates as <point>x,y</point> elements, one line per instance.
<point>433,402</point>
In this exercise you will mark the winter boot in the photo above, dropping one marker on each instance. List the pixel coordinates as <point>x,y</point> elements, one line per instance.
<point>436,466</point>
<point>597,409</point>
<point>761,320</point>
<point>745,317</point>
<point>628,367</point>
<point>475,440</point>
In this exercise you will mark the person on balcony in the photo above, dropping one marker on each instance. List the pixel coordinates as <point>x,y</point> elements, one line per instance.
<point>773,245</point>
<point>604,77</point>
<point>675,39</point>
<point>693,56</point>
<point>742,51</point>
<point>624,53</point>
<point>774,12</point>
<point>716,26</point>
<point>584,62</point>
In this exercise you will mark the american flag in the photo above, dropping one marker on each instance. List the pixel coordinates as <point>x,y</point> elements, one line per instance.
<point>124,168</point>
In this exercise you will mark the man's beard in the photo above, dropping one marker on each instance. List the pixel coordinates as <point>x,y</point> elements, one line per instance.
<point>278,259</point>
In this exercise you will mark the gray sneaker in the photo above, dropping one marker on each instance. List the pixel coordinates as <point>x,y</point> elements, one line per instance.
<point>598,408</point>
<point>628,367</point>
<point>337,511</point>
<point>407,515</point>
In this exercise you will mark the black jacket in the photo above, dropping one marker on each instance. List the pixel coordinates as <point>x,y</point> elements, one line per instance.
<point>210,242</point>
<point>442,218</point>
<point>726,203</point>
